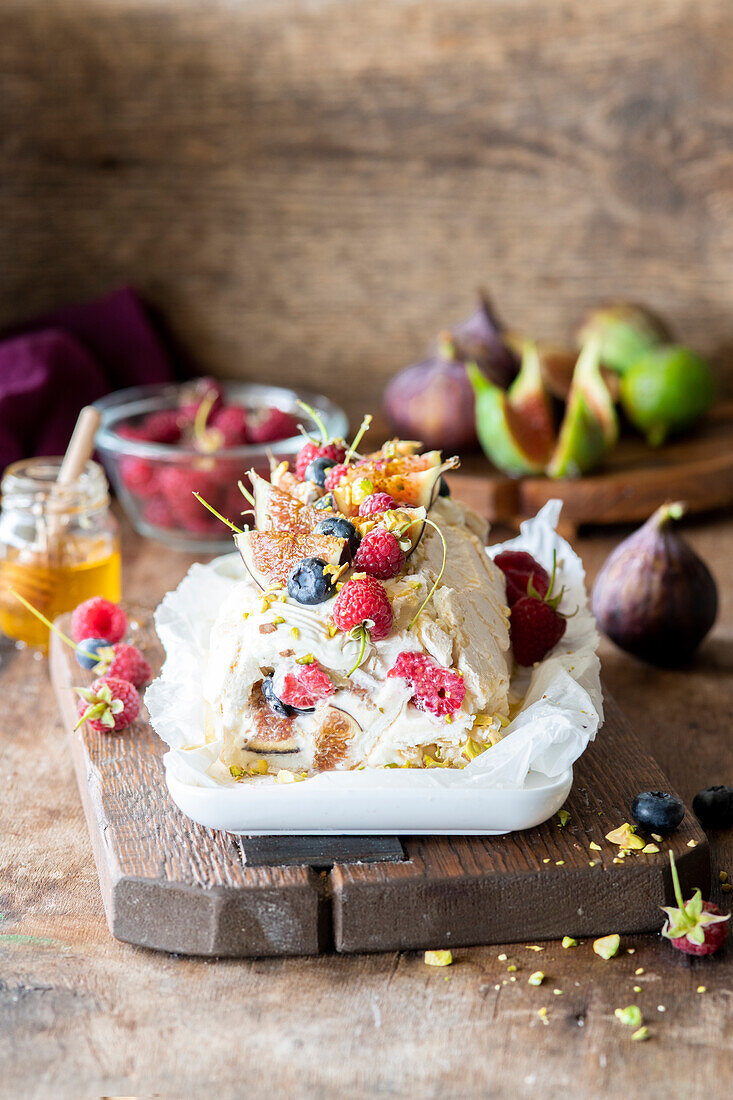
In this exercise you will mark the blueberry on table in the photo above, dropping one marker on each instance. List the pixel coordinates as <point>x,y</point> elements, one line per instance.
<point>276,705</point>
<point>657,810</point>
<point>309,583</point>
<point>317,469</point>
<point>88,651</point>
<point>341,529</point>
<point>713,807</point>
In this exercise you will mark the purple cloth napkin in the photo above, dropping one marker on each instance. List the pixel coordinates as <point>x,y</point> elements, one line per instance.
<point>69,359</point>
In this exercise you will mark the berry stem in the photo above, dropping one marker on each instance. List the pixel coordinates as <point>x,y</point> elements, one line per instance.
<point>318,420</point>
<point>218,515</point>
<point>246,493</point>
<point>676,882</point>
<point>205,439</point>
<point>437,580</point>
<point>44,620</point>
<point>366,422</point>
<point>359,632</point>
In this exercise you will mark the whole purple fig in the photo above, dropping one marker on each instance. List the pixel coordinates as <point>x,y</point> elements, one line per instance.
<point>433,401</point>
<point>480,339</point>
<point>654,597</point>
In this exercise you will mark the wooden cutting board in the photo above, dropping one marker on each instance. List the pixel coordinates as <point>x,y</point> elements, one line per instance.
<point>172,885</point>
<point>633,482</point>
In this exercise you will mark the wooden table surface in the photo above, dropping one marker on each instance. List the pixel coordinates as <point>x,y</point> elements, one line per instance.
<point>85,1016</point>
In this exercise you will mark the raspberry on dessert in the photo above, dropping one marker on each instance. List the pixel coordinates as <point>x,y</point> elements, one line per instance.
<point>362,600</point>
<point>303,689</point>
<point>311,451</point>
<point>535,628</point>
<point>98,618</point>
<point>436,689</point>
<point>379,555</point>
<point>139,476</point>
<point>376,503</point>
<point>109,705</point>
<point>124,662</point>
<point>231,421</point>
<point>519,568</point>
<point>271,425</point>
<point>336,474</point>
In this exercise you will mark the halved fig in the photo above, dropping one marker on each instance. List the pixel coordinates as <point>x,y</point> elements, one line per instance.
<point>272,555</point>
<point>272,734</point>
<point>590,424</point>
<point>278,510</point>
<point>411,480</point>
<point>336,730</point>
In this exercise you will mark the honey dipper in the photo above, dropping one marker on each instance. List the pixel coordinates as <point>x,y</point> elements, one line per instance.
<point>31,577</point>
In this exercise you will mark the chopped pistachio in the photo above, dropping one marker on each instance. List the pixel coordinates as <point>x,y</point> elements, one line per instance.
<point>701,989</point>
<point>650,849</point>
<point>438,958</point>
<point>295,632</point>
<point>661,1008</point>
<point>559,862</point>
<point>564,818</point>
<point>306,659</point>
<point>284,776</point>
<point>278,620</point>
<point>607,946</point>
<point>640,1034</point>
<point>637,989</point>
<point>629,1016</point>
<point>260,768</point>
<point>692,844</point>
<point>595,847</point>
<point>545,861</point>
<point>593,862</point>
<point>625,837</point>
<point>657,837</point>
<point>630,950</point>
<point>512,967</point>
<point>639,970</point>
<point>726,887</point>
<point>502,958</point>
<point>235,771</point>
<point>534,947</point>
<point>557,992</point>
<point>537,978</point>
<point>472,749</point>
<point>568,941</point>
<point>722,876</point>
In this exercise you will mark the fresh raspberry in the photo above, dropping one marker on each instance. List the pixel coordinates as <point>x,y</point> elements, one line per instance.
<point>303,689</point>
<point>519,568</point>
<point>376,503</point>
<point>178,484</point>
<point>139,477</point>
<point>334,476</point>
<point>270,425</point>
<point>362,599</point>
<point>379,555</point>
<point>231,421</point>
<point>311,450</point>
<point>436,689</point>
<point>535,628</point>
<point>162,427</point>
<point>157,512</point>
<point>124,662</point>
<point>109,705</point>
<point>127,431</point>
<point>695,927</point>
<point>98,618</point>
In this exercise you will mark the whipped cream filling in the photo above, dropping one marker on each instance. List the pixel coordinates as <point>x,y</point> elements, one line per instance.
<point>464,626</point>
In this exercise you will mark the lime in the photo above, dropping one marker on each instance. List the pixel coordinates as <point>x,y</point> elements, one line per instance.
<point>665,391</point>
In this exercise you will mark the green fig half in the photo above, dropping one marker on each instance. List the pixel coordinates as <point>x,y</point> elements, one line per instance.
<point>515,427</point>
<point>626,332</point>
<point>590,424</point>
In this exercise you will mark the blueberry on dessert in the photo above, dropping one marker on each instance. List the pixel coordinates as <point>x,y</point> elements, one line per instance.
<point>282,710</point>
<point>311,581</point>
<point>657,810</point>
<point>342,529</point>
<point>317,469</point>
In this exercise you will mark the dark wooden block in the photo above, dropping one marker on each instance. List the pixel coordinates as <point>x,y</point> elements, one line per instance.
<point>172,885</point>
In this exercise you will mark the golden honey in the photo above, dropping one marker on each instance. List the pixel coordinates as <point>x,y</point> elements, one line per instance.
<point>58,547</point>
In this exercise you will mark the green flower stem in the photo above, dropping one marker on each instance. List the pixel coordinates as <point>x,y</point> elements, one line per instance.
<point>359,632</point>
<point>44,620</point>
<point>246,493</point>
<point>218,515</point>
<point>366,422</point>
<point>440,574</point>
<point>676,882</point>
<point>317,418</point>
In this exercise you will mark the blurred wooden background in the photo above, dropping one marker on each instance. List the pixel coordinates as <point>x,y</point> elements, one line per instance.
<point>310,190</point>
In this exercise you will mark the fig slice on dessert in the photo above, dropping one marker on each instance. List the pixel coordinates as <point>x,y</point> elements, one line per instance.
<point>336,731</point>
<point>411,480</point>
<point>278,510</point>
<point>271,556</point>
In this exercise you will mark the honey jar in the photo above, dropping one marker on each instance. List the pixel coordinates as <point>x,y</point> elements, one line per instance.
<point>59,544</point>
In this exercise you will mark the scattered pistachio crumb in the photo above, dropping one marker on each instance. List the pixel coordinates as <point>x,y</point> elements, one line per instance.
<point>295,632</point>
<point>630,950</point>
<point>650,849</point>
<point>513,978</point>
<point>502,957</point>
<point>235,771</point>
<point>306,659</point>
<point>629,1016</point>
<point>568,941</point>
<point>692,844</point>
<point>537,978</point>
<point>637,989</point>
<point>595,847</point>
<point>497,987</point>
<point>640,1034</point>
<point>618,859</point>
<point>542,1011</point>
<point>557,992</point>
<point>511,969</point>
<point>722,876</point>
<point>639,970</point>
<point>278,620</point>
<point>701,989</point>
<point>661,1008</point>
<point>657,837</point>
<point>438,958</point>
<point>625,837</point>
<point>726,887</point>
<point>545,861</point>
<point>593,862</point>
<point>534,947</point>
<point>607,946</point>
<point>559,862</point>
<point>564,818</point>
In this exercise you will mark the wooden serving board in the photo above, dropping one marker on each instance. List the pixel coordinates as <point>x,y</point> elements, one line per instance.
<point>172,885</point>
<point>634,481</point>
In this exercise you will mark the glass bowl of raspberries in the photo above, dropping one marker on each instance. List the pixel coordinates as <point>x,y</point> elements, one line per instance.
<point>161,444</point>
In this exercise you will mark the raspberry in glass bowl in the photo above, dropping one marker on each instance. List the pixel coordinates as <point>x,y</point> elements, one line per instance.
<point>160,444</point>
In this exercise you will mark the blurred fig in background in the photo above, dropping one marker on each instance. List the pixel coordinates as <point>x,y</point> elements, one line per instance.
<point>654,597</point>
<point>590,425</point>
<point>433,401</point>
<point>626,331</point>
<point>666,391</point>
<point>481,339</point>
<point>515,426</point>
